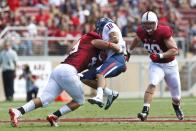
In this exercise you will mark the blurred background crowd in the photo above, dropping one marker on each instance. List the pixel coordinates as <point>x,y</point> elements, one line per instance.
<point>73,18</point>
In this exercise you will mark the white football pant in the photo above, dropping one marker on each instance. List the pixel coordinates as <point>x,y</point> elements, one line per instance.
<point>169,71</point>
<point>63,77</point>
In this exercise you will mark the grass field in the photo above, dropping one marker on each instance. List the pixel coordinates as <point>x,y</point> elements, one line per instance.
<point>123,112</point>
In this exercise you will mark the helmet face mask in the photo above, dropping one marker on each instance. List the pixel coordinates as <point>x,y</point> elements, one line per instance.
<point>149,22</point>
<point>100,23</point>
<point>149,26</point>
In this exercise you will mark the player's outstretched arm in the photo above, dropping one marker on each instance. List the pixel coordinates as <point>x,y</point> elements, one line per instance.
<point>135,43</point>
<point>101,44</point>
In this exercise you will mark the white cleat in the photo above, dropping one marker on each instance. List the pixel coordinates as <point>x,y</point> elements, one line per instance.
<point>14,116</point>
<point>110,99</point>
<point>97,101</point>
<point>52,119</point>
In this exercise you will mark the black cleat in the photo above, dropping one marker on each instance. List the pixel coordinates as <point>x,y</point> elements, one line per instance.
<point>178,111</point>
<point>179,114</point>
<point>142,116</point>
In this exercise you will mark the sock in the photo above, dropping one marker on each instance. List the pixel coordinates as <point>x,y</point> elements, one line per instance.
<point>21,109</point>
<point>63,110</point>
<point>146,108</point>
<point>57,113</point>
<point>147,104</point>
<point>100,93</point>
<point>176,107</point>
<point>107,91</point>
<point>28,106</point>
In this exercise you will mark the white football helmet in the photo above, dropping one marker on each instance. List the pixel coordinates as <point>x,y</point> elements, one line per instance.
<point>149,21</point>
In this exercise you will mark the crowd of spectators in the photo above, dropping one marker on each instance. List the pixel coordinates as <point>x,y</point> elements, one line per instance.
<point>72,18</point>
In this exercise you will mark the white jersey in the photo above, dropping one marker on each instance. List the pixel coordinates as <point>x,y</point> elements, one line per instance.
<point>112,27</point>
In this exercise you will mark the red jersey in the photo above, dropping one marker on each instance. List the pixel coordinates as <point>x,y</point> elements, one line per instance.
<point>83,55</point>
<point>155,42</point>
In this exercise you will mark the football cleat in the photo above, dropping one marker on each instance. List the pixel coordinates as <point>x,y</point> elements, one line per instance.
<point>142,116</point>
<point>52,119</point>
<point>178,111</point>
<point>110,99</point>
<point>179,114</point>
<point>14,117</point>
<point>97,101</point>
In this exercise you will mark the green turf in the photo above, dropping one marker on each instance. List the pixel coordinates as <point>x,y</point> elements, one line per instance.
<point>120,108</point>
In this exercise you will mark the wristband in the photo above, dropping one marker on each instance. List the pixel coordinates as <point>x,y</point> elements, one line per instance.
<point>161,56</point>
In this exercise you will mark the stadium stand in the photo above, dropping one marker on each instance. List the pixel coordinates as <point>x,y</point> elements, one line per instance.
<point>74,18</point>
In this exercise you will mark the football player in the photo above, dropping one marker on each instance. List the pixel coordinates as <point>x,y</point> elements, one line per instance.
<point>114,64</point>
<point>158,41</point>
<point>65,77</point>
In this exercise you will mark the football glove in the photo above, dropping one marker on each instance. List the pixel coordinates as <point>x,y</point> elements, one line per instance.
<point>127,56</point>
<point>156,57</point>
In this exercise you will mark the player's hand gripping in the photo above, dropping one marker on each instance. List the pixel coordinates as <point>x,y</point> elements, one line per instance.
<point>115,47</point>
<point>155,56</point>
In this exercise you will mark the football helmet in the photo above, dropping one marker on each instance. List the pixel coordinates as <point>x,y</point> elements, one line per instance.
<point>100,23</point>
<point>149,21</point>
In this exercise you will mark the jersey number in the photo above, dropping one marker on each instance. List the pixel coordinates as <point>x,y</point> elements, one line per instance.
<point>153,48</point>
<point>110,26</point>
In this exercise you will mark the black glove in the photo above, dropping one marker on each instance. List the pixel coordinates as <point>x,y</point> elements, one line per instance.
<point>127,56</point>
